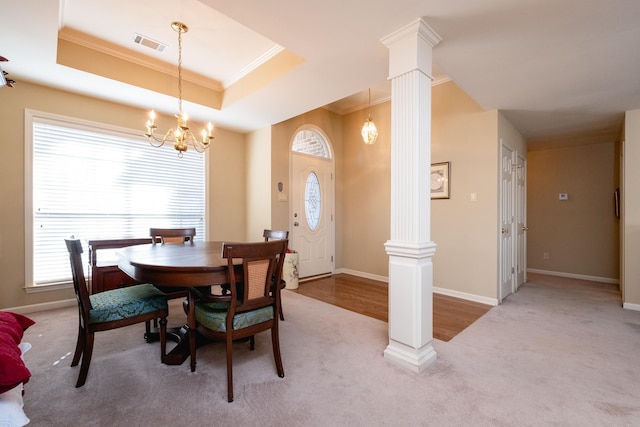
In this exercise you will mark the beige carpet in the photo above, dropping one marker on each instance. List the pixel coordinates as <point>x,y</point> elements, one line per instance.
<point>559,352</point>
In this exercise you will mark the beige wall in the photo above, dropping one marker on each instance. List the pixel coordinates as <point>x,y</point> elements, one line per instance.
<point>580,234</point>
<point>227,177</point>
<point>631,210</point>
<point>261,195</point>
<point>466,233</point>
<point>466,259</point>
<point>366,186</point>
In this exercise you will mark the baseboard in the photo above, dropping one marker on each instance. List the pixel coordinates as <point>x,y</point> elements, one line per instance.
<point>575,276</point>
<point>629,306</point>
<point>311,278</point>
<point>437,290</point>
<point>32,308</point>
<point>465,296</point>
<point>362,274</point>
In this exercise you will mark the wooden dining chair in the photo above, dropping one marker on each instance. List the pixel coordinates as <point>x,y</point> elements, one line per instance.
<point>179,236</point>
<point>110,310</point>
<point>236,316</point>
<point>172,235</point>
<point>277,235</point>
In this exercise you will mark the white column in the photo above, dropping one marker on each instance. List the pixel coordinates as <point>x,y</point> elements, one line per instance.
<point>410,249</point>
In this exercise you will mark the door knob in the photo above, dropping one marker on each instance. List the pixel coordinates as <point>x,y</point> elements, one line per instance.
<point>525,228</point>
<point>505,230</point>
<point>295,224</point>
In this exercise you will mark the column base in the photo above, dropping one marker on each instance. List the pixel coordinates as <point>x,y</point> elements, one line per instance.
<point>416,360</point>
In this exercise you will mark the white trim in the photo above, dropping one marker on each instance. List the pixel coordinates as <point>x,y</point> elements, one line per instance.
<point>33,308</point>
<point>575,276</point>
<point>629,306</point>
<point>437,290</point>
<point>463,295</point>
<point>34,289</point>
<point>362,274</point>
<point>268,55</point>
<point>312,278</point>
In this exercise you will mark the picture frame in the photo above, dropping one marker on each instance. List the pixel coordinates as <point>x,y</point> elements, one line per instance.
<point>440,180</point>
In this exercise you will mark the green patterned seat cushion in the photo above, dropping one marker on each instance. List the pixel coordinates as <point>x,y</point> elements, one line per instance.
<point>213,316</point>
<point>126,302</point>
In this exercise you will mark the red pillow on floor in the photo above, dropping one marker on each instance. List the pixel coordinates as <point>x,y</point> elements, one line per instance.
<point>12,369</point>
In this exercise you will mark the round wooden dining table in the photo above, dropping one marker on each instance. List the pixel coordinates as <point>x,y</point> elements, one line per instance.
<point>186,265</point>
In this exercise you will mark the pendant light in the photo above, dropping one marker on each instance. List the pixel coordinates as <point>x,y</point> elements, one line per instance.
<point>369,131</point>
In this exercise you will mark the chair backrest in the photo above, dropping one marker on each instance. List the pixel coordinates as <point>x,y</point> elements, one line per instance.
<point>79,283</point>
<point>172,235</point>
<point>275,235</point>
<point>261,266</point>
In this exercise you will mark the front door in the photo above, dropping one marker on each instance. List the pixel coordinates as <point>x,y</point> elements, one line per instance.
<point>312,226</point>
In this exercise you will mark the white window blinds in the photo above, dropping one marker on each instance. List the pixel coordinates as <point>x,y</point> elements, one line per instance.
<point>96,182</point>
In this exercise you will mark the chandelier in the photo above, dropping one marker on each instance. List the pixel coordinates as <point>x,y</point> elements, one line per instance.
<point>181,136</point>
<point>369,131</point>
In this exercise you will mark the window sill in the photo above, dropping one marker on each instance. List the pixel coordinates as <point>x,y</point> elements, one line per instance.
<point>34,289</point>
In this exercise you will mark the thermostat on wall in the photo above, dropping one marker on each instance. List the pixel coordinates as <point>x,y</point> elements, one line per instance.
<point>563,196</point>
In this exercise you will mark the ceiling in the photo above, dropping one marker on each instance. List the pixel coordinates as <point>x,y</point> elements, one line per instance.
<point>562,72</point>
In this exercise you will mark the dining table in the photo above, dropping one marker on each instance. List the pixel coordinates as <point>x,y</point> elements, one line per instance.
<point>194,264</point>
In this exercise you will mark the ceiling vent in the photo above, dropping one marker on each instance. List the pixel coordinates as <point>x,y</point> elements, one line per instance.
<point>150,43</point>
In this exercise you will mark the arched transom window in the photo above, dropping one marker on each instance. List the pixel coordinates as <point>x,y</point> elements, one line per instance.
<point>308,141</point>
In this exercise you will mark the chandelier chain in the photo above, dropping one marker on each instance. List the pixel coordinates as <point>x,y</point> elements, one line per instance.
<point>180,71</point>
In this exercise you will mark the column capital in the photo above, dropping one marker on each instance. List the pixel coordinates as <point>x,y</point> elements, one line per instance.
<point>410,48</point>
<point>418,27</point>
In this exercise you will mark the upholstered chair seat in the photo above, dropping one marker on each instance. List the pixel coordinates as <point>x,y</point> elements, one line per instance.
<point>212,317</point>
<point>124,303</point>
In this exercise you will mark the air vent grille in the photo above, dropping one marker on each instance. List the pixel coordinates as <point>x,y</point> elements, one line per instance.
<point>147,42</point>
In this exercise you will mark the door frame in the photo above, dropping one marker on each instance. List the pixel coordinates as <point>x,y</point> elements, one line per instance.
<point>331,227</point>
<point>506,226</point>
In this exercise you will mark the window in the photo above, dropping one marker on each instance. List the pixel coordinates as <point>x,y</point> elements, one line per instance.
<point>99,182</point>
<point>309,141</point>
<point>312,200</point>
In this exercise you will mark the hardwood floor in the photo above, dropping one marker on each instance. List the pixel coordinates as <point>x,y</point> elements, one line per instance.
<point>370,297</point>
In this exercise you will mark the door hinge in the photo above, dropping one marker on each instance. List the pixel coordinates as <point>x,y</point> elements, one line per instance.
<point>332,258</point>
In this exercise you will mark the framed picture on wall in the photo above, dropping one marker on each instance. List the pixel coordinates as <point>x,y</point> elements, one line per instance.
<point>440,176</point>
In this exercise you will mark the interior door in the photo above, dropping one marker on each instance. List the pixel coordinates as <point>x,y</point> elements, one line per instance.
<point>506,223</point>
<point>521,220</point>
<point>312,214</point>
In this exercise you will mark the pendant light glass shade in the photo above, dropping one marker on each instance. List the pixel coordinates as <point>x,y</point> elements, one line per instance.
<point>369,130</point>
